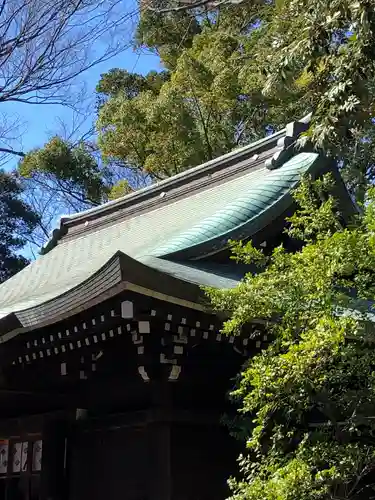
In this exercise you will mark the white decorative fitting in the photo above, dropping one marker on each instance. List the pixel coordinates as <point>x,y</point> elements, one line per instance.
<point>28,345</point>
<point>41,354</point>
<point>178,349</point>
<point>27,357</point>
<point>153,312</point>
<point>198,324</point>
<point>218,337</point>
<point>231,340</point>
<point>265,337</point>
<point>48,352</point>
<point>67,332</point>
<point>167,327</point>
<point>56,349</point>
<point>127,309</point>
<point>51,338</point>
<point>183,321</point>
<point>182,339</point>
<point>180,330</point>
<point>95,338</point>
<point>263,244</point>
<point>205,335</point>
<point>128,327</point>
<point>119,330</point>
<point>63,369</point>
<point>87,341</point>
<point>34,355</point>
<point>175,373</point>
<point>93,367</point>
<point>165,361</point>
<point>169,317</point>
<point>84,326</point>
<point>143,373</point>
<point>137,339</point>
<point>43,340</point>
<point>245,341</point>
<point>112,313</point>
<point>103,336</point>
<point>111,334</point>
<point>79,344</point>
<point>82,375</point>
<point>141,349</point>
<point>75,329</point>
<point>59,335</point>
<point>35,342</point>
<point>19,359</point>
<point>144,326</point>
<point>93,321</point>
<point>71,346</point>
<point>192,332</point>
<point>102,318</point>
<point>258,343</point>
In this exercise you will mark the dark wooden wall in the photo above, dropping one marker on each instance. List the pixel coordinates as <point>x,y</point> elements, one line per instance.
<point>156,462</point>
<point>109,465</point>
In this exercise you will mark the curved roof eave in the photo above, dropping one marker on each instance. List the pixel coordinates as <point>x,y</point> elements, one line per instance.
<point>179,284</point>
<point>245,216</point>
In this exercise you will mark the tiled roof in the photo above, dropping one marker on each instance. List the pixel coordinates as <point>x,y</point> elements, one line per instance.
<point>186,217</point>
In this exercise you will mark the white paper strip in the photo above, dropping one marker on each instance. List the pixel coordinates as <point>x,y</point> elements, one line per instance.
<point>25,449</point>
<point>4,454</point>
<point>16,460</point>
<point>37,455</point>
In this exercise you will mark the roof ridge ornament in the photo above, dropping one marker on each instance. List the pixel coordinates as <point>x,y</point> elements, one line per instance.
<point>287,144</point>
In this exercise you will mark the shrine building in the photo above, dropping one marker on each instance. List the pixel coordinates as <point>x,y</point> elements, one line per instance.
<point>114,373</point>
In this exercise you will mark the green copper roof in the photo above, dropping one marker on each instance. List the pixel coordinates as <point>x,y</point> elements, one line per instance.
<point>166,227</point>
<point>247,213</point>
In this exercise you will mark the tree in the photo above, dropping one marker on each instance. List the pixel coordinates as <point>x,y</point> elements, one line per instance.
<point>307,399</point>
<point>200,108</point>
<point>45,45</point>
<point>17,222</point>
<point>312,55</point>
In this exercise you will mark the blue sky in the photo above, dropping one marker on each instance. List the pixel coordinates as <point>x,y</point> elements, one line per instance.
<point>40,121</point>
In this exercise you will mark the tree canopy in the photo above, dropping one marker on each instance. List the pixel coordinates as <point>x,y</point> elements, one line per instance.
<point>308,398</point>
<point>17,222</point>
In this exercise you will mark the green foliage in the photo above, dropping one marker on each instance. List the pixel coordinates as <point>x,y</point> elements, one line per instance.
<point>74,168</point>
<point>310,395</point>
<point>121,188</point>
<point>167,122</point>
<point>326,48</point>
<point>167,34</point>
<point>130,85</point>
<point>17,222</point>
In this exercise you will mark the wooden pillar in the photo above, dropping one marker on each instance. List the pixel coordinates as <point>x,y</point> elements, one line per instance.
<point>160,445</point>
<point>53,474</point>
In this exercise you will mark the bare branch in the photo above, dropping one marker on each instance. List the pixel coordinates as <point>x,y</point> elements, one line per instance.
<point>189,5</point>
<point>13,152</point>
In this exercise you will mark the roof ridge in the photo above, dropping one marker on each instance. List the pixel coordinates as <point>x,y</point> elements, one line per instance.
<point>292,131</point>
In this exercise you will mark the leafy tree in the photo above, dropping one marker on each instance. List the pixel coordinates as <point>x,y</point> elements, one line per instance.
<point>200,108</point>
<point>66,177</point>
<point>307,399</point>
<point>17,221</point>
